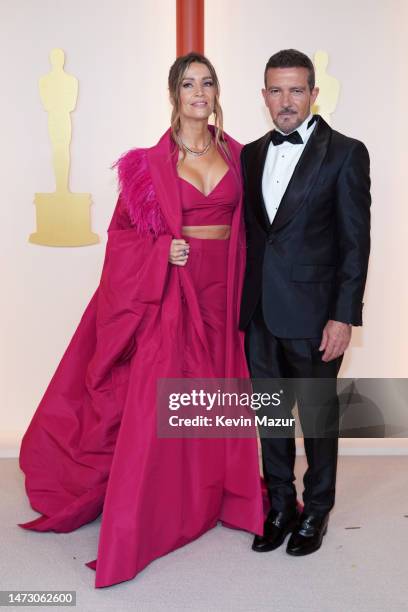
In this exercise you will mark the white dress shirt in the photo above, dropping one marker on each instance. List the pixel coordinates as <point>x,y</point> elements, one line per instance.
<point>280,163</point>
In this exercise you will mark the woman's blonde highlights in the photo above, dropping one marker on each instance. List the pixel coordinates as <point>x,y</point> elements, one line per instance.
<point>175,79</point>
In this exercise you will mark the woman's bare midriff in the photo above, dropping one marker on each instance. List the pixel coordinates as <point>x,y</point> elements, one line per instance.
<point>209,232</point>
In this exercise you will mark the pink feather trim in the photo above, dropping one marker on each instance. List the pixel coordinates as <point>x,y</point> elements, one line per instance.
<point>137,192</point>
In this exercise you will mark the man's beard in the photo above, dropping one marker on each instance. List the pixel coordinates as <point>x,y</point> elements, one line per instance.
<point>293,127</point>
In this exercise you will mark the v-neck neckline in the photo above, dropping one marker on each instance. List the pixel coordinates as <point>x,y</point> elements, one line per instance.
<point>205,195</point>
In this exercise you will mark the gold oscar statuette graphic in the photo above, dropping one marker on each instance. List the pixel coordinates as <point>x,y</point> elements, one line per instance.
<point>63,218</point>
<point>329,87</point>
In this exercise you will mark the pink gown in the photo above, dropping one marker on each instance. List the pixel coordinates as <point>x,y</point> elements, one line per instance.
<point>92,445</point>
<point>207,262</point>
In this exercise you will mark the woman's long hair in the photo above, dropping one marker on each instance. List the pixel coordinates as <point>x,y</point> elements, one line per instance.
<point>176,76</point>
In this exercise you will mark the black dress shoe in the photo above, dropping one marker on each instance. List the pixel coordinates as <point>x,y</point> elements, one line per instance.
<point>276,528</point>
<point>308,535</point>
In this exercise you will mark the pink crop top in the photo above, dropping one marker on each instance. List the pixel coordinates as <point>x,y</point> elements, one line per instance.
<point>216,208</point>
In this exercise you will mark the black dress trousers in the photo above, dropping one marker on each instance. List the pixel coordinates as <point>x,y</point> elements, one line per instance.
<point>282,359</point>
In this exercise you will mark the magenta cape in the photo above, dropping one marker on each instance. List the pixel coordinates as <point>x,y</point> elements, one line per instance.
<point>92,443</point>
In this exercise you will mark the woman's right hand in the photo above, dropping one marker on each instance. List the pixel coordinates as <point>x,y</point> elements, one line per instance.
<point>179,250</point>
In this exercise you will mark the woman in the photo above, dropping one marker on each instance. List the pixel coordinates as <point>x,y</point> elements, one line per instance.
<point>166,307</point>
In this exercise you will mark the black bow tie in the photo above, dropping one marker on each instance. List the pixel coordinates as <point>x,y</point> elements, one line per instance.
<point>294,137</point>
<point>277,138</point>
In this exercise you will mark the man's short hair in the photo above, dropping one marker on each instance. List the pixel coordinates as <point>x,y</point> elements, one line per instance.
<point>290,58</point>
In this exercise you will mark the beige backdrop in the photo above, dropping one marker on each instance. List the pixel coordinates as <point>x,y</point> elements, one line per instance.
<point>121,51</point>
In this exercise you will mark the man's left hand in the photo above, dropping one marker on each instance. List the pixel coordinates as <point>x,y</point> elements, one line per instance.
<point>335,339</point>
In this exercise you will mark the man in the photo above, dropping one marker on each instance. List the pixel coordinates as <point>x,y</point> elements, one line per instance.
<point>307,210</point>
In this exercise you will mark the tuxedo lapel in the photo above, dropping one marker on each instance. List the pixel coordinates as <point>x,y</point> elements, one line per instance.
<point>256,166</point>
<point>304,175</point>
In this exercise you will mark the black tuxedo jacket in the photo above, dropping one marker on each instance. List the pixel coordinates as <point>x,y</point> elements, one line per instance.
<point>310,264</point>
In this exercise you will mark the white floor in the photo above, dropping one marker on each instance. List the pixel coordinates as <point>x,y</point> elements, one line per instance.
<point>361,567</point>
